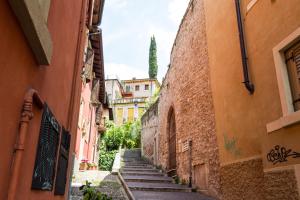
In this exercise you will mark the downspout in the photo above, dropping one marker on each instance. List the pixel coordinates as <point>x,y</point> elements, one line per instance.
<point>248,84</point>
<point>30,98</point>
<point>90,131</point>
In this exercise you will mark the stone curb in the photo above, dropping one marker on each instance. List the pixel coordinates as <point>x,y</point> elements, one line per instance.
<point>127,190</point>
<point>117,164</point>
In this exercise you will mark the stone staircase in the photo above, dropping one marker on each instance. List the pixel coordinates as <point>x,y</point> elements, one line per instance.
<point>146,182</point>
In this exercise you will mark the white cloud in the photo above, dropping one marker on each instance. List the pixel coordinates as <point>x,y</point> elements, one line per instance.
<point>110,38</point>
<point>117,4</point>
<point>176,10</point>
<point>123,71</point>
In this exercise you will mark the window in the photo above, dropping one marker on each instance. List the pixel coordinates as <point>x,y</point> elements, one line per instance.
<point>62,167</point>
<point>130,114</point>
<point>286,60</point>
<point>44,168</point>
<point>127,88</point>
<point>146,87</point>
<point>292,56</point>
<point>137,88</point>
<point>80,123</point>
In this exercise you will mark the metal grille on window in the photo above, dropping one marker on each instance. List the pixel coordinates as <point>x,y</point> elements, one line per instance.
<point>44,169</point>
<point>293,66</point>
<point>95,93</point>
<point>87,74</point>
<point>62,168</point>
<point>99,112</point>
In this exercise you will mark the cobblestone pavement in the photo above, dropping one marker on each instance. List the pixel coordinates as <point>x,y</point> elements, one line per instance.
<point>103,181</point>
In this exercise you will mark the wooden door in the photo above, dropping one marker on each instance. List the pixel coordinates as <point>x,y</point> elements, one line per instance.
<point>172,141</point>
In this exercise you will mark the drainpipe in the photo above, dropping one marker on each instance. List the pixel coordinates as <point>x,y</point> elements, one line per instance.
<point>30,98</point>
<point>248,84</point>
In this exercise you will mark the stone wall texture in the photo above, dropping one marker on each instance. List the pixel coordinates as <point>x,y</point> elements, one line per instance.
<point>186,89</point>
<point>150,132</point>
<point>281,185</point>
<point>243,180</point>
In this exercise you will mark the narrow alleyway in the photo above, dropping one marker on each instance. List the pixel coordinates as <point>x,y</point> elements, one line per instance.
<point>146,182</point>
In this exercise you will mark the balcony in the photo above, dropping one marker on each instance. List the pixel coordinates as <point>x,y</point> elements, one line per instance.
<point>130,100</point>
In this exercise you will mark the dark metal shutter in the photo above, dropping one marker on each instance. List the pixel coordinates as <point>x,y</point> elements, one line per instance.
<point>111,115</point>
<point>293,65</point>
<point>44,168</point>
<point>62,168</point>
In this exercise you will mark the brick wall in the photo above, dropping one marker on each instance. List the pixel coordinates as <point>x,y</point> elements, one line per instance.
<point>186,89</point>
<point>149,134</point>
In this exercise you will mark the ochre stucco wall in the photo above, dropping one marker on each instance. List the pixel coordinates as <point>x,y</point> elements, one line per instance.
<point>241,118</point>
<point>19,72</point>
<point>187,90</point>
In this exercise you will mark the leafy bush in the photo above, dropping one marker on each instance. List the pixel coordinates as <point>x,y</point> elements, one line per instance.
<point>106,158</point>
<point>89,193</point>
<point>127,136</point>
<point>113,138</point>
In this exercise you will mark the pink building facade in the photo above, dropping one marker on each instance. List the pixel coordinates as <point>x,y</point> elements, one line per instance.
<point>93,99</point>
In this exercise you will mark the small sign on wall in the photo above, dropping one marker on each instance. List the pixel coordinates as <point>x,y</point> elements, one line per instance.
<point>185,146</point>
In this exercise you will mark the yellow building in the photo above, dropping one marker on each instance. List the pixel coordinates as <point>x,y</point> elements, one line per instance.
<point>129,97</point>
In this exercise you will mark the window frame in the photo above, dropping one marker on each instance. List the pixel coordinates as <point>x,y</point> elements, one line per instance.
<point>146,85</point>
<point>293,74</point>
<point>289,115</point>
<point>33,16</point>
<point>127,88</point>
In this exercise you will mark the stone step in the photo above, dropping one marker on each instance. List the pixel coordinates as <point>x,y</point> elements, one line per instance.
<point>142,174</point>
<point>148,179</point>
<point>163,187</point>
<point>136,163</point>
<point>133,160</point>
<point>129,169</point>
<point>133,153</point>
<point>138,167</point>
<point>170,195</point>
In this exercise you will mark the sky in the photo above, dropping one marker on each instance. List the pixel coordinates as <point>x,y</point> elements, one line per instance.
<point>127,26</point>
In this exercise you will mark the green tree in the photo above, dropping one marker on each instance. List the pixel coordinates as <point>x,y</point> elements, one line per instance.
<point>152,59</point>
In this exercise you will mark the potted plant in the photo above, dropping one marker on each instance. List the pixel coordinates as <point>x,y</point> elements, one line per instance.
<point>83,165</point>
<point>92,166</point>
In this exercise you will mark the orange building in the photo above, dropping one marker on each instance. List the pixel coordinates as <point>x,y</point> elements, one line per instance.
<point>41,62</point>
<point>228,113</point>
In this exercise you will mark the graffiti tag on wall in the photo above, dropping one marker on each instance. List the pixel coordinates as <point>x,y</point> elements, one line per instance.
<point>230,145</point>
<point>280,154</point>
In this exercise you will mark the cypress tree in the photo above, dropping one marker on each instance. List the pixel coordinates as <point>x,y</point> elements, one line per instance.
<point>152,59</point>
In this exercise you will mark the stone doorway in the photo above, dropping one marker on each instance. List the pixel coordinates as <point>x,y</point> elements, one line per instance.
<point>172,141</point>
